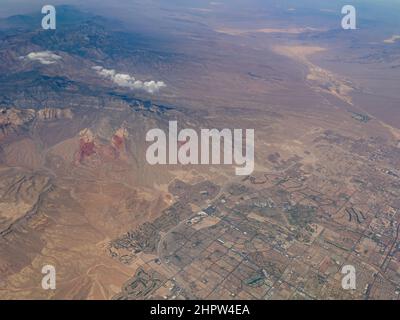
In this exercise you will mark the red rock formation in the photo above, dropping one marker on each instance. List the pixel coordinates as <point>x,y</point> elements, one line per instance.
<point>87,146</point>
<point>118,143</point>
<point>116,150</point>
<point>118,139</point>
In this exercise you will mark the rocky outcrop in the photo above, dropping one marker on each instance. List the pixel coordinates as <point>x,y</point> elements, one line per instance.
<point>13,120</point>
<point>90,144</point>
<point>118,139</point>
<point>86,145</point>
<point>54,113</point>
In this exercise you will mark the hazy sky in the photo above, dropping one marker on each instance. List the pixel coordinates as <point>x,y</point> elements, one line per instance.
<point>381,11</point>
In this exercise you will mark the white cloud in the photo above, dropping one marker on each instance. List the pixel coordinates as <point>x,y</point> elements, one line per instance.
<point>44,57</point>
<point>128,81</point>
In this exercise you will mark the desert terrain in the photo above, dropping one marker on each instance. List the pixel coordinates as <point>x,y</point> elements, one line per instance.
<point>76,191</point>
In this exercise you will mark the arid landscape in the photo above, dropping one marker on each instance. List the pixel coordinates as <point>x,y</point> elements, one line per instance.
<point>77,193</point>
